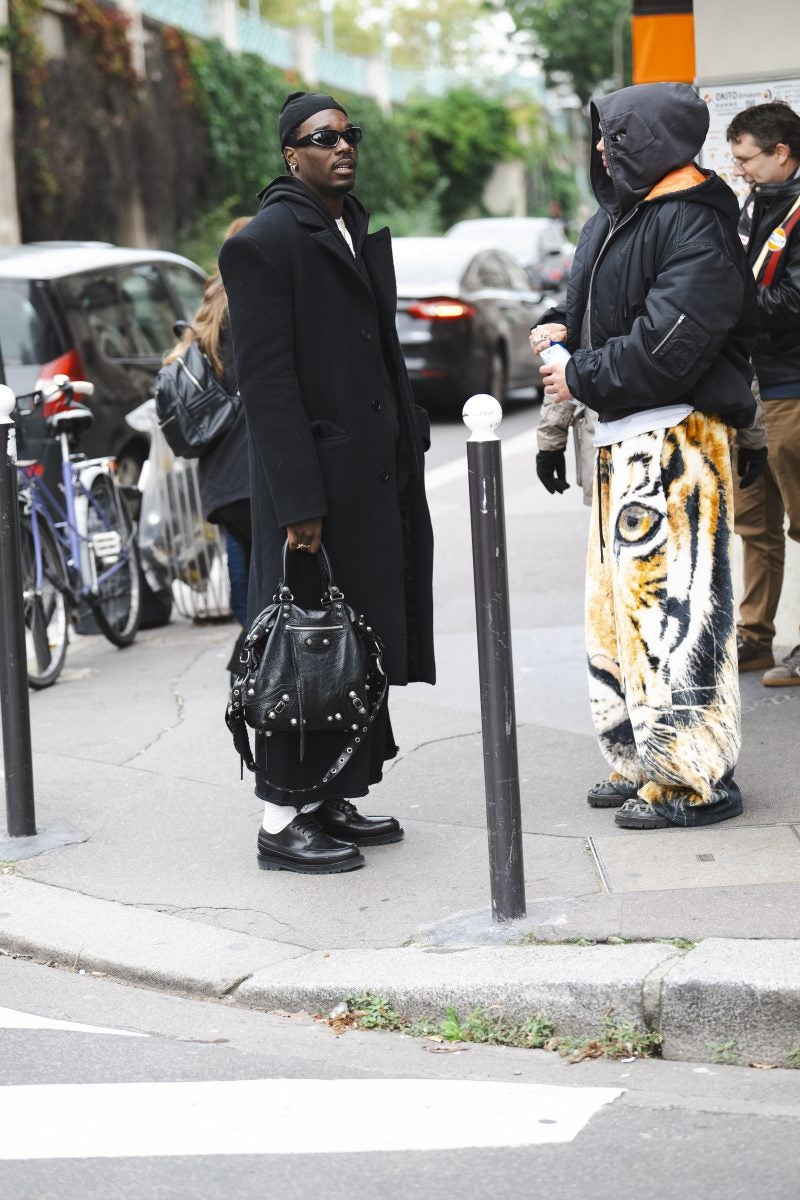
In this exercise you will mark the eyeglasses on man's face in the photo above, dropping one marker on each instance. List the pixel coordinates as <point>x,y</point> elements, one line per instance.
<point>329,138</point>
<point>739,164</point>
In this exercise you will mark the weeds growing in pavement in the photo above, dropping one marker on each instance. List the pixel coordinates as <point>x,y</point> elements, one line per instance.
<point>684,945</point>
<point>489,1027</point>
<point>793,1058</point>
<point>530,939</point>
<point>373,1012</point>
<point>493,1029</point>
<point>723,1053</point>
<point>615,1041</point>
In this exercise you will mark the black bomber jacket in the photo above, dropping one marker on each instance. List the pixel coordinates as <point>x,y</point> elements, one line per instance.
<point>660,305</point>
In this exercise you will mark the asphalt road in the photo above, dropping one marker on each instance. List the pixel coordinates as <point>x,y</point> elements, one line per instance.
<point>217,1101</point>
<point>449,433</point>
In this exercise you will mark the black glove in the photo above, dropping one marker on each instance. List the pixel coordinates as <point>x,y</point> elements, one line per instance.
<point>551,467</point>
<point>750,464</point>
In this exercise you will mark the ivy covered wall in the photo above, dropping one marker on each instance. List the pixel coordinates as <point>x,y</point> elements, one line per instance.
<point>101,154</point>
<point>169,157</point>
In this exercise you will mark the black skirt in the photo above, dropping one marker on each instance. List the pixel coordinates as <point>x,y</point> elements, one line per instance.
<point>278,765</point>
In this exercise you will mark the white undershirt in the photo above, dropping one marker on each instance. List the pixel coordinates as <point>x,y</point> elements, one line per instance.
<point>609,432</point>
<point>345,232</point>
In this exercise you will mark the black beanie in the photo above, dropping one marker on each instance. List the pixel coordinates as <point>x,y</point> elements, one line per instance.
<point>298,107</point>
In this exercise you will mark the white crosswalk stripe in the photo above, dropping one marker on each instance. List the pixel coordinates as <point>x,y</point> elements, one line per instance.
<point>287,1116</point>
<point>11,1019</point>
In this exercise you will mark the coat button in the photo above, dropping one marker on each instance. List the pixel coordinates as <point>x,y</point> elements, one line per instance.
<point>376,404</point>
<point>384,475</point>
<point>366,335</point>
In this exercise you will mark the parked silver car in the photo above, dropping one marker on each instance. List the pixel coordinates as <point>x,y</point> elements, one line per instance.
<point>538,243</point>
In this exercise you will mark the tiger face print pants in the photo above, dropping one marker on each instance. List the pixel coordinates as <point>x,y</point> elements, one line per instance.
<point>660,631</point>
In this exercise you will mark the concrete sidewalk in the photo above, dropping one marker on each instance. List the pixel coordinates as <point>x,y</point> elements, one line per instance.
<point>158,883</point>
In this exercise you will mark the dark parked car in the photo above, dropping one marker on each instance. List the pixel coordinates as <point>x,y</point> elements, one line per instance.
<point>463,316</point>
<point>93,311</point>
<point>538,243</point>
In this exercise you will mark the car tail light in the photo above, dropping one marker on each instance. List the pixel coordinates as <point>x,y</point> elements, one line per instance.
<point>66,364</point>
<point>442,309</point>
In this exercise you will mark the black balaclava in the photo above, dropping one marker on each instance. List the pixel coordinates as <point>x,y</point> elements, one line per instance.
<point>298,107</point>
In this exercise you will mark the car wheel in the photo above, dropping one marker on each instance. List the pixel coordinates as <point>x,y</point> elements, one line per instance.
<point>497,381</point>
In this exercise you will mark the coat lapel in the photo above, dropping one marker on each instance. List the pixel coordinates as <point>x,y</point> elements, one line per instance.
<point>333,243</point>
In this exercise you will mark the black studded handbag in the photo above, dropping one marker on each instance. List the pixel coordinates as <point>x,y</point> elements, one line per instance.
<point>305,671</point>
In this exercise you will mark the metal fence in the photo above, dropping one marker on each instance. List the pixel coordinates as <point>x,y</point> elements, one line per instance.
<point>179,549</point>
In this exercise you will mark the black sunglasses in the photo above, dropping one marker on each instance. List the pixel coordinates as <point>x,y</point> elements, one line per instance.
<point>329,138</point>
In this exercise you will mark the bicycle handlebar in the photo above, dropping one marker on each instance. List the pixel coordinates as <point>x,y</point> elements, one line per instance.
<point>61,384</point>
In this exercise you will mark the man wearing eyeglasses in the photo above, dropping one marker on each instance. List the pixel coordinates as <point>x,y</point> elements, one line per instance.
<point>336,454</point>
<point>765,142</point>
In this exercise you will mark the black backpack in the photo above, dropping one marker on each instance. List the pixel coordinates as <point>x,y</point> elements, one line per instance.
<point>194,410</point>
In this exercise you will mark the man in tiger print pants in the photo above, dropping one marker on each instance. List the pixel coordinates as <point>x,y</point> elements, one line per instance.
<point>659,317</point>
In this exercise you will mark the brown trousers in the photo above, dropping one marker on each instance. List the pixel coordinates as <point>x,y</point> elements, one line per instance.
<point>760,513</point>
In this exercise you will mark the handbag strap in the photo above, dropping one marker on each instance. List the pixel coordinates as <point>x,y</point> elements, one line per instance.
<point>234,719</point>
<point>329,588</point>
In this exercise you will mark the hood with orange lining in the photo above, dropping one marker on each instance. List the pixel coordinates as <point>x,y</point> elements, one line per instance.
<point>651,131</point>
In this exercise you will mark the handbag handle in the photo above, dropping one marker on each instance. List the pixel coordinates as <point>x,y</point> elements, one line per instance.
<point>326,573</point>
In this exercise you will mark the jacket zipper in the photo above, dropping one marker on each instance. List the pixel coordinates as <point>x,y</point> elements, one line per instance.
<point>609,236</point>
<point>313,628</point>
<point>611,232</point>
<point>667,336</point>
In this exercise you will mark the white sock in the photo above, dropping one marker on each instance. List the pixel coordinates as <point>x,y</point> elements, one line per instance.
<point>278,816</point>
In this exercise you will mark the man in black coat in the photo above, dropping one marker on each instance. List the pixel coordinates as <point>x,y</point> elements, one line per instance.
<point>336,452</point>
<point>765,144</point>
<point>659,316</point>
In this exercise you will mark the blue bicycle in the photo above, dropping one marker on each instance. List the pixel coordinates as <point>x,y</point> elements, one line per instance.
<point>79,557</point>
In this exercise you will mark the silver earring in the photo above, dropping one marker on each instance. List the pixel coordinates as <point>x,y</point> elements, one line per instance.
<point>293,167</point>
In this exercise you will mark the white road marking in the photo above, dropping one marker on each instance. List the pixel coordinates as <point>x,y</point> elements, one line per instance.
<point>11,1019</point>
<point>287,1116</point>
<point>447,472</point>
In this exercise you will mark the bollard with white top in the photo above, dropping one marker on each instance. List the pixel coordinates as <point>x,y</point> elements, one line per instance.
<point>14,706</point>
<point>482,415</point>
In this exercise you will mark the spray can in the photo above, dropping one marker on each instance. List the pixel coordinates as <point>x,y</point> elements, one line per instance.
<point>557,352</point>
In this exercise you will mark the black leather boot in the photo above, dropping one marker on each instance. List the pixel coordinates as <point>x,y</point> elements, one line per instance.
<point>303,847</point>
<point>341,819</point>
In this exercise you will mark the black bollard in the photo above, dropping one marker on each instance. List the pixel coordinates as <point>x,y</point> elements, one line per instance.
<point>16,718</point>
<point>498,713</point>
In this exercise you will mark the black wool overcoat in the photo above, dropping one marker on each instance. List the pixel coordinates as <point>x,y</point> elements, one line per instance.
<point>316,353</point>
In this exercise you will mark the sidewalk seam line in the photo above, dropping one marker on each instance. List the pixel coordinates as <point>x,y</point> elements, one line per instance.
<point>601,871</point>
<point>151,908</point>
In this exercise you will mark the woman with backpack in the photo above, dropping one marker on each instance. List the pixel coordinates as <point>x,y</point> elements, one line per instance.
<point>223,470</point>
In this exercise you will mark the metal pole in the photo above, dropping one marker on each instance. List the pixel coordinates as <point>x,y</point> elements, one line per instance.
<point>16,717</point>
<point>483,414</point>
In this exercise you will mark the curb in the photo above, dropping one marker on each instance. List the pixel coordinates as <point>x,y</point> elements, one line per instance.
<point>740,998</point>
<point>573,986</point>
<point>135,944</point>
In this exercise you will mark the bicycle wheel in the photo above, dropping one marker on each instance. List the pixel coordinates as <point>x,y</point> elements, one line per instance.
<point>45,608</point>
<point>116,602</point>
